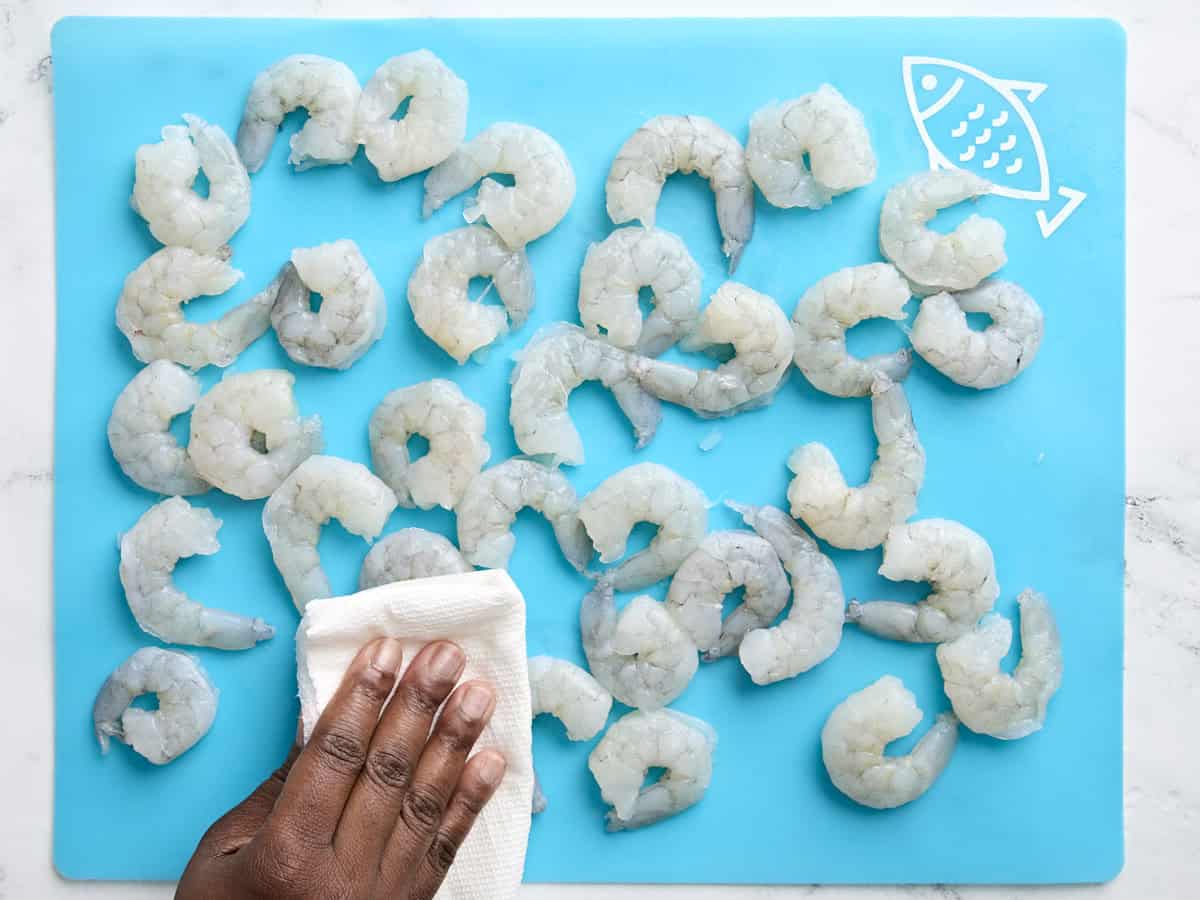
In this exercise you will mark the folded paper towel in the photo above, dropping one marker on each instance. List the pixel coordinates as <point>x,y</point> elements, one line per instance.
<point>484,613</point>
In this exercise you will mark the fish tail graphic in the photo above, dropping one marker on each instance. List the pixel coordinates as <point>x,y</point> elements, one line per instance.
<point>1073,198</point>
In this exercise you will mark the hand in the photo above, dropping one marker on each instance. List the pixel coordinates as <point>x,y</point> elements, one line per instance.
<point>375,805</point>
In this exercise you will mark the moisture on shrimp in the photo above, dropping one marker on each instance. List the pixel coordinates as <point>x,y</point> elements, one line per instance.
<point>353,310</point>
<point>763,347</point>
<point>646,739</point>
<point>139,430</point>
<point>954,560</point>
<point>860,728</point>
<point>187,704</point>
<point>834,305</point>
<point>620,266</point>
<point>542,192</point>
<point>822,129</point>
<point>410,553</point>
<point>858,518</point>
<point>931,261</point>
<point>325,88</point>
<point>494,497</point>
<point>247,434</point>
<point>452,423</point>
<point>166,533</point>
<point>558,359</point>
<point>163,193</point>
<point>433,126</point>
<point>645,492</point>
<point>986,359</point>
<point>150,310</point>
<point>995,703</point>
<point>668,144</point>
<point>438,290</point>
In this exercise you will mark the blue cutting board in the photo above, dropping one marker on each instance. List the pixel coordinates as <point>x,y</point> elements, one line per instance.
<point>1037,467</point>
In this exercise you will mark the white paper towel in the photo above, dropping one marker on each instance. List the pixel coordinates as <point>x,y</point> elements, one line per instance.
<point>484,613</point>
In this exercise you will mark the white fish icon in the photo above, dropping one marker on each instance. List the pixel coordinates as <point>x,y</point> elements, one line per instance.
<point>969,120</point>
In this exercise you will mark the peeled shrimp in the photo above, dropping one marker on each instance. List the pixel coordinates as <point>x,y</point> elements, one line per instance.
<point>321,488</point>
<point>451,422</point>
<point>167,532</point>
<point>861,727</point>
<point>812,630</point>
<point>494,497</point>
<point>763,346</point>
<point>995,703</point>
<point>934,262</point>
<point>139,435</point>
<point>859,518</point>
<point>410,553</point>
<point>150,310</point>
<point>438,290</point>
<point>829,309</point>
<point>164,174</point>
<point>976,359</point>
<point>433,126</point>
<point>247,433</point>
<point>645,492</point>
<point>640,741</point>
<point>558,359</point>
<point>353,311</point>
<point>187,704</point>
<point>543,189</point>
<point>326,88</point>
<point>668,144</point>
<point>617,268</point>
<point>822,126</point>
<point>642,656</point>
<point>725,561</point>
<point>955,561</point>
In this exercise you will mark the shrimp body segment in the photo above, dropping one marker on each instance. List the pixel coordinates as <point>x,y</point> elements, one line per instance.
<point>410,553</point>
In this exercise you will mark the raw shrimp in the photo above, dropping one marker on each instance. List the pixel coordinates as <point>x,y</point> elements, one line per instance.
<point>668,144</point>
<point>431,129</point>
<point>640,741</point>
<point>812,630</point>
<point>836,304</point>
<point>725,561</point>
<point>995,703</point>
<point>326,88</point>
<point>452,423</point>
<point>321,488</point>
<point>955,561</point>
<point>934,262</point>
<point>410,553</point>
<point>822,126</point>
<point>763,346</point>
<point>150,310</point>
<point>164,174</point>
<point>139,435</point>
<point>859,518</point>
<point>543,189</point>
<point>353,310</point>
<point>645,492</point>
<point>166,533</point>
<point>642,656</point>
<point>557,359</point>
<point>861,727</point>
<point>187,704</point>
<point>495,496</point>
<point>617,268</point>
<point>247,433</point>
<point>976,359</point>
<point>438,290</point>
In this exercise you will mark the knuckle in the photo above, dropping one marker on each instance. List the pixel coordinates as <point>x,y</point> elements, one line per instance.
<point>390,769</point>
<point>281,868</point>
<point>473,797</point>
<point>442,852</point>
<point>422,700</point>
<point>343,751</point>
<point>422,809</point>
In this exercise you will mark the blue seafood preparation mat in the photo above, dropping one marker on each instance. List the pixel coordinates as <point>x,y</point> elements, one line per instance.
<point>1036,467</point>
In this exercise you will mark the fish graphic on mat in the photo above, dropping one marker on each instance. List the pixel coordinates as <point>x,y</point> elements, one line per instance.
<point>969,120</point>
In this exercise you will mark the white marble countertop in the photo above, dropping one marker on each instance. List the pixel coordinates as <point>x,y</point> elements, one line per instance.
<point>1162,797</point>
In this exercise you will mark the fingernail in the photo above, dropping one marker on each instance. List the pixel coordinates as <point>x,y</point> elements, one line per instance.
<point>491,769</point>
<point>388,656</point>
<point>476,702</point>
<point>447,662</point>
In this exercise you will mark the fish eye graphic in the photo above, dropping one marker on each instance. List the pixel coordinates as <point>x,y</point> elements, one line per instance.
<point>929,81</point>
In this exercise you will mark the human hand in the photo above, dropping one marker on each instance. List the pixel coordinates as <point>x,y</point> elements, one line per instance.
<point>375,805</point>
